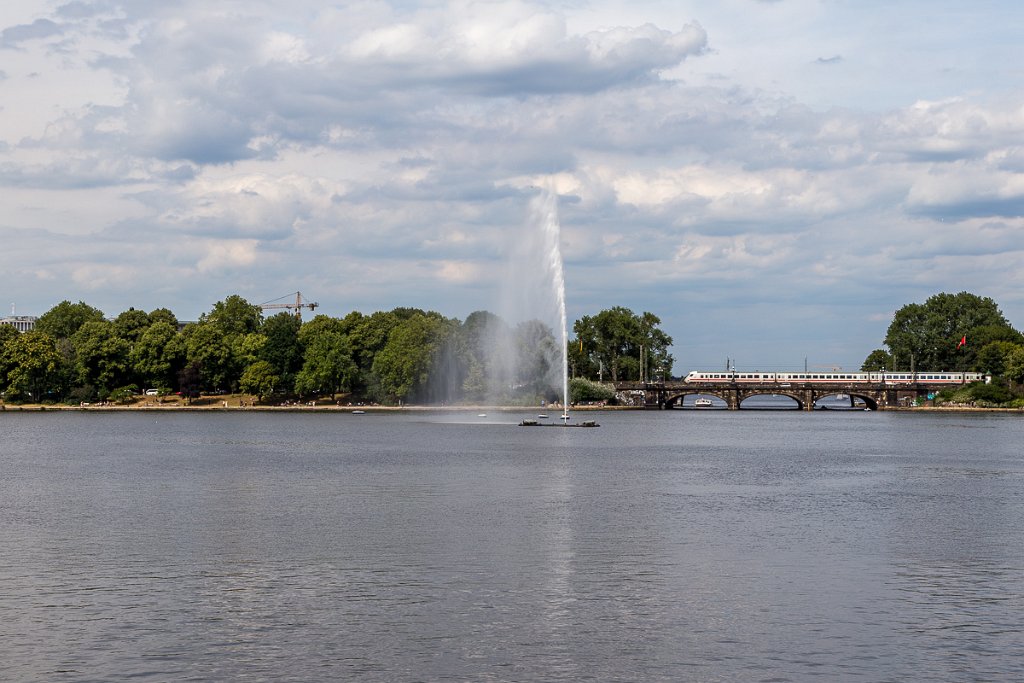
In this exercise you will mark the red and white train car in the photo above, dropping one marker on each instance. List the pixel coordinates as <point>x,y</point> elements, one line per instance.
<point>717,377</point>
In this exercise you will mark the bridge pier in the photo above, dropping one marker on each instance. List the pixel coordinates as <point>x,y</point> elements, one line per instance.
<point>654,400</point>
<point>733,399</point>
<point>808,399</point>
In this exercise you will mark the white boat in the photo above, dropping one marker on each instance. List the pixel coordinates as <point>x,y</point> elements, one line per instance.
<point>703,403</point>
<point>542,416</point>
<point>482,415</point>
<point>358,412</point>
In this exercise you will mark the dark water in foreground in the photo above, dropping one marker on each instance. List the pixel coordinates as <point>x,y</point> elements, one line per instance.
<point>685,546</point>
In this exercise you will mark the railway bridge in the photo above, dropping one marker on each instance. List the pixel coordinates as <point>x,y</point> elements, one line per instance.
<point>875,395</point>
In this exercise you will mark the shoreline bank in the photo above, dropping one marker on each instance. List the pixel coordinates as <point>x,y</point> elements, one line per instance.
<point>327,408</point>
<point>331,408</point>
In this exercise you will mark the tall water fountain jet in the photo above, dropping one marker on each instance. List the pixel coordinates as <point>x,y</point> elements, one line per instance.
<point>552,232</point>
<point>534,290</point>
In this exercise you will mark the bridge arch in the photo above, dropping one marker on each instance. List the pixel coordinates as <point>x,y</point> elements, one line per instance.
<point>734,397</point>
<point>676,399</point>
<point>869,401</point>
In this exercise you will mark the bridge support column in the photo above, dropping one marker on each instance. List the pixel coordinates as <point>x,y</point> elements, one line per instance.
<point>654,399</point>
<point>808,399</point>
<point>733,399</point>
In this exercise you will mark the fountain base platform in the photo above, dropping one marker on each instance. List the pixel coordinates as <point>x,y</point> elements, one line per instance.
<point>535,423</point>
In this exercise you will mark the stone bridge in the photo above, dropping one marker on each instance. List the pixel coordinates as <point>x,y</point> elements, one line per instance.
<point>875,396</point>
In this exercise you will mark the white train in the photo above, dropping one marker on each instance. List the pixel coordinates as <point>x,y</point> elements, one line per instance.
<point>786,378</point>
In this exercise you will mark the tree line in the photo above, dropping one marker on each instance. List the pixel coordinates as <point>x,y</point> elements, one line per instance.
<point>958,332</point>
<point>77,354</point>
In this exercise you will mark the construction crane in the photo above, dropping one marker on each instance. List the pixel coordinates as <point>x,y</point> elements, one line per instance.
<point>297,306</point>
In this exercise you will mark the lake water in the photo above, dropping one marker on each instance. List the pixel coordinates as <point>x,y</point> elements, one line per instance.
<point>662,546</point>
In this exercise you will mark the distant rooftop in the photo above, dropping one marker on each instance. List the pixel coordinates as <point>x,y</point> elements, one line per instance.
<point>22,323</point>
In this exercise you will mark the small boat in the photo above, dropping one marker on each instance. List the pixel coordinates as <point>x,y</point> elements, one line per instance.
<point>703,403</point>
<point>542,416</point>
<point>359,412</point>
<point>482,415</point>
<point>565,416</point>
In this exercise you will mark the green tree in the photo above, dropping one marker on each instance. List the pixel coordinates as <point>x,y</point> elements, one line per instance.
<point>102,356</point>
<point>209,349</point>
<point>538,364</point>
<point>131,324</point>
<point>32,361</point>
<point>879,359</point>
<point>403,365</point>
<point>613,338</point>
<point>1014,369</point>
<point>282,348</point>
<point>158,355</point>
<point>124,395</point>
<point>928,334</point>
<point>7,332</point>
<point>64,319</point>
<point>190,380</point>
<point>993,357</point>
<point>983,335</point>
<point>327,362</point>
<point>234,316</point>
<point>368,334</point>
<point>481,347</point>
<point>163,315</point>
<point>260,378</point>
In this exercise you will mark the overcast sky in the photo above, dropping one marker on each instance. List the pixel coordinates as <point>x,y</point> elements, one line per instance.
<point>771,178</point>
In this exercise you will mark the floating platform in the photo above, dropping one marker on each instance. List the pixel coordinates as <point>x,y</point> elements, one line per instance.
<point>535,423</point>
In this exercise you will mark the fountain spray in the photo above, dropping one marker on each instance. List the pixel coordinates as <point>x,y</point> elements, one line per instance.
<point>552,232</point>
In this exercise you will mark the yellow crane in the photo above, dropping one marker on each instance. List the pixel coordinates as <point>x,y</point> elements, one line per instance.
<point>298,305</point>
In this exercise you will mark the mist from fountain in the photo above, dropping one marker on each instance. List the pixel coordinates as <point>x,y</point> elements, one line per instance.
<point>533,289</point>
<point>552,232</point>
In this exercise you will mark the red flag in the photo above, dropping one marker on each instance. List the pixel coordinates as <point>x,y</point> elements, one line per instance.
<point>963,341</point>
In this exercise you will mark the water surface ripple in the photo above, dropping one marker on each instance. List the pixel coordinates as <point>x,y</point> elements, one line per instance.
<point>668,546</point>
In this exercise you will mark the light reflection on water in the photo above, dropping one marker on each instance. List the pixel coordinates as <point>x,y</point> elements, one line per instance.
<point>696,546</point>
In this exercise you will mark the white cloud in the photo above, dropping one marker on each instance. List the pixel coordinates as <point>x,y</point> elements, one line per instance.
<point>381,154</point>
<point>226,256</point>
